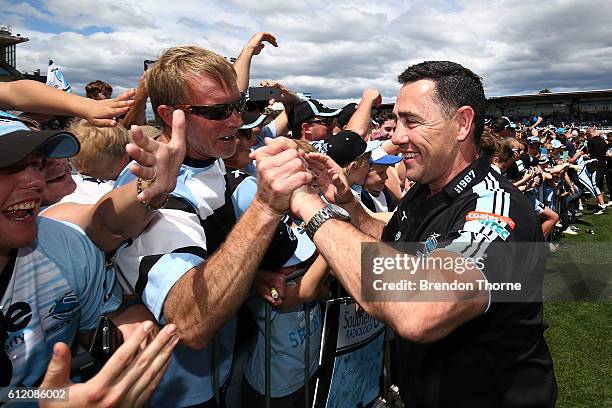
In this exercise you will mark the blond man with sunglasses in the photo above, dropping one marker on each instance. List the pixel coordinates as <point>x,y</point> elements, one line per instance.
<point>195,264</point>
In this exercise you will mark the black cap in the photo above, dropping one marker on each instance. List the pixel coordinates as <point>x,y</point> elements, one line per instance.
<point>345,115</point>
<point>251,120</point>
<point>305,110</point>
<point>17,141</point>
<point>500,124</point>
<point>345,146</point>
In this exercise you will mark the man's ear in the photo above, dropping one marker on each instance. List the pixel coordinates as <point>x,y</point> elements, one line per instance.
<point>165,113</point>
<point>305,129</point>
<point>465,122</point>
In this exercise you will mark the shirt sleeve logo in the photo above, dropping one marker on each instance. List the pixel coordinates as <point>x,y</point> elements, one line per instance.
<point>486,216</point>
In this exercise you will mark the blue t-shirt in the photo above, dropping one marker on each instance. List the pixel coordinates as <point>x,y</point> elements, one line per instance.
<point>267,131</point>
<point>288,344</point>
<point>288,328</point>
<point>178,239</point>
<point>59,287</point>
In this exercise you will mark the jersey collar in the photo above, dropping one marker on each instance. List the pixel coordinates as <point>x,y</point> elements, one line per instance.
<point>468,177</point>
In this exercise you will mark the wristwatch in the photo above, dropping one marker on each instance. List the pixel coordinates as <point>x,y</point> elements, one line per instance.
<point>330,211</point>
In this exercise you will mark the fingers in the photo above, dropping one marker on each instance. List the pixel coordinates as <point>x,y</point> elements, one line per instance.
<point>273,147</point>
<point>127,95</point>
<point>317,163</point>
<point>144,169</point>
<point>58,370</point>
<point>269,38</point>
<point>178,129</point>
<point>144,370</point>
<point>122,358</point>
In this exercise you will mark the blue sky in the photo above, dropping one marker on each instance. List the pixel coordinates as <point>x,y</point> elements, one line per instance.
<point>332,49</point>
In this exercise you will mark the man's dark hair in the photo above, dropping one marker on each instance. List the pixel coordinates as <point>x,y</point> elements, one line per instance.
<point>384,116</point>
<point>455,86</point>
<point>98,87</point>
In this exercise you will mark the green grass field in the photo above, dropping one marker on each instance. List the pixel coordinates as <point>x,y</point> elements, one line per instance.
<point>580,333</point>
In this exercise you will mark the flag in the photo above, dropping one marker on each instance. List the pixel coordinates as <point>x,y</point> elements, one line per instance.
<point>55,78</point>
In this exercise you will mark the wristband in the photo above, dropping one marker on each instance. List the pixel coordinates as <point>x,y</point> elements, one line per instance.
<point>147,205</point>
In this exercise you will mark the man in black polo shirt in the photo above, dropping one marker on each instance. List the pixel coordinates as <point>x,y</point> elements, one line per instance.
<point>469,349</point>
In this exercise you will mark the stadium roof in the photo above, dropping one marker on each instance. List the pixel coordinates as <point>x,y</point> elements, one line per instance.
<point>576,95</point>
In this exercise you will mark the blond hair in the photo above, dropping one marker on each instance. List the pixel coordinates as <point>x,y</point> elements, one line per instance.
<point>168,79</point>
<point>102,149</point>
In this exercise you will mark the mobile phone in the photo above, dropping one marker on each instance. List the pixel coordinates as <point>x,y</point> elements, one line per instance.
<point>107,340</point>
<point>148,63</point>
<point>264,93</point>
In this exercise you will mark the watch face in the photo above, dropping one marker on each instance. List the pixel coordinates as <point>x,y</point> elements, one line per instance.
<point>339,211</point>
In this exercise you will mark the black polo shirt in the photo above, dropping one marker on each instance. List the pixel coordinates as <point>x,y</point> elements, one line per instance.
<point>499,359</point>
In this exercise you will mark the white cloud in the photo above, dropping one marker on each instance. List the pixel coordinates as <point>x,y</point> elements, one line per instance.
<point>332,49</point>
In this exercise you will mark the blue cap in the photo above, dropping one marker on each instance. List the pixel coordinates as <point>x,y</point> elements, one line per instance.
<point>380,156</point>
<point>17,141</point>
<point>560,131</point>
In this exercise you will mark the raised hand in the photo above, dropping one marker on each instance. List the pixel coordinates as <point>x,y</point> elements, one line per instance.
<point>372,95</point>
<point>103,113</point>
<point>286,97</point>
<point>330,178</point>
<point>256,43</point>
<point>158,163</point>
<point>128,378</point>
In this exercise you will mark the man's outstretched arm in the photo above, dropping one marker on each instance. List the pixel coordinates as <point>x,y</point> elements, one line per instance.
<point>207,296</point>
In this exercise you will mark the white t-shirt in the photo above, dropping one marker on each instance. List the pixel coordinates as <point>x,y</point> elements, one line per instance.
<point>88,189</point>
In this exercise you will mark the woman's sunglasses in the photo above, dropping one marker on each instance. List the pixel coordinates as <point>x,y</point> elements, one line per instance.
<point>220,111</point>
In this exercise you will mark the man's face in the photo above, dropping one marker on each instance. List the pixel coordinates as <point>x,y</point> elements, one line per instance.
<point>425,137</point>
<point>101,96</point>
<point>21,188</point>
<point>245,140</point>
<point>317,128</point>
<point>377,176</point>
<point>386,129</point>
<point>211,138</point>
<point>58,181</point>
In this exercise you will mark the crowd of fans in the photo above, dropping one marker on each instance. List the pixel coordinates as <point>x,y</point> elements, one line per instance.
<point>557,168</point>
<point>181,233</point>
<point>582,120</point>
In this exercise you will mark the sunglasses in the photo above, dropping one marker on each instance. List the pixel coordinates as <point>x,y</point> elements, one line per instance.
<point>322,121</point>
<point>220,111</point>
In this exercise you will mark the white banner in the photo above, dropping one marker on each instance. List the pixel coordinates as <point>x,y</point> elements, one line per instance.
<point>354,328</point>
<point>56,79</point>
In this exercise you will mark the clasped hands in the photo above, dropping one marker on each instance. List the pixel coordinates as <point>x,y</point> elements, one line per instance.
<point>292,180</point>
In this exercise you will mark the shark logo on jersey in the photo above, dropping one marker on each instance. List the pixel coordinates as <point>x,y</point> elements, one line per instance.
<point>429,245</point>
<point>63,307</point>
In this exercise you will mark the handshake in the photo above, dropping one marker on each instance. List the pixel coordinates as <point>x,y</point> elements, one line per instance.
<point>289,179</point>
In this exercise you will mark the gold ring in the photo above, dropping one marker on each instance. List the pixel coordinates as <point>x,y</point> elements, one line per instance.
<point>152,179</point>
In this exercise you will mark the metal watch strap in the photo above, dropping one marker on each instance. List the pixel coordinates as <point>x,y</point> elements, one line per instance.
<point>317,220</point>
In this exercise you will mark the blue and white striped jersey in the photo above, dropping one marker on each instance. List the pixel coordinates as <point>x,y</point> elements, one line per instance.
<point>59,287</point>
